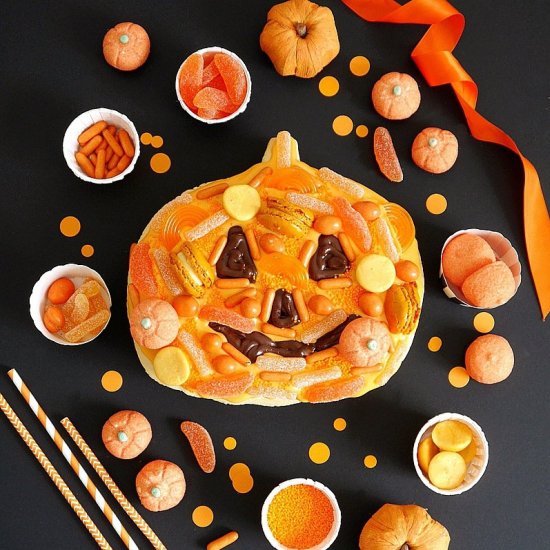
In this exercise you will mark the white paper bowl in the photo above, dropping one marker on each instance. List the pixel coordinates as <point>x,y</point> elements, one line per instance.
<point>333,533</point>
<point>37,302</point>
<point>504,251</point>
<point>476,468</point>
<point>85,120</point>
<point>241,109</point>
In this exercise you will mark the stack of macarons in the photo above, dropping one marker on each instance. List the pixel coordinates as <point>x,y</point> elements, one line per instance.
<point>285,217</point>
<point>470,264</point>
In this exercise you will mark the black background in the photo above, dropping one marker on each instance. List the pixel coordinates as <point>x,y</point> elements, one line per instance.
<point>52,70</point>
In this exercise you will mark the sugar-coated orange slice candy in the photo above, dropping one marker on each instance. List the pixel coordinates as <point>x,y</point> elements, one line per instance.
<point>60,291</point>
<point>225,386</point>
<point>210,71</point>
<point>292,179</point>
<point>334,391</point>
<point>354,223</point>
<point>385,155</point>
<point>213,99</point>
<point>141,270</point>
<point>233,76</point>
<point>191,78</point>
<point>201,444</point>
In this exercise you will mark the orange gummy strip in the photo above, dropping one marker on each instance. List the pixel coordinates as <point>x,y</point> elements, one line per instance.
<point>433,56</point>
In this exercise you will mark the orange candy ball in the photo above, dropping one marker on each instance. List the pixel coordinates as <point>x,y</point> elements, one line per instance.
<point>369,210</point>
<point>224,364</point>
<point>212,343</point>
<point>271,243</point>
<point>320,304</point>
<point>60,291</point>
<point>371,304</point>
<point>251,308</point>
<point>407,271</point>
<point>328,225</point>
<point>53,319</point>
<point>185,306</point>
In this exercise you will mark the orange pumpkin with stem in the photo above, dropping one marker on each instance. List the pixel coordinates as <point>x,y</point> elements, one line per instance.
<point>160,485</point>
<point>435,150</point>
<point>300,38</point>
<point>154,323</point>
<point>405,527</point>
<point>126,434</point>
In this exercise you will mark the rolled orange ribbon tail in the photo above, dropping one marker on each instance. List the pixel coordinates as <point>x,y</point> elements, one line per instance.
<point>434,58</point>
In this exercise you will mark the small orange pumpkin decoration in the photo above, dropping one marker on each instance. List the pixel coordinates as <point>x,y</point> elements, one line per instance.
<point>403,527</point>
<point>396,96</point>
<point>300,38</point>
<point>154,323</point>
<point>435,150</point>
<point>126,434</point>
<point>160,485</point>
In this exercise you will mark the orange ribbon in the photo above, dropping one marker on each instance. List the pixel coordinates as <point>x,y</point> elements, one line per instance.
<point>433,56</point>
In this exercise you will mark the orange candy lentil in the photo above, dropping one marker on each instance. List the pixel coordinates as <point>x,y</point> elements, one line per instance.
<point>201,444</point>
<point>212,343</point>
<point>300,516</point>
<point>186,306</point>
<point>320,304</point>
<point>53,319</point>
<point>224,364</point>
<point>60,291</point>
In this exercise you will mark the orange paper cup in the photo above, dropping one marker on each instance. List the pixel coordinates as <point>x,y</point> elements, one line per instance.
<point>477,466</point>
<point>38,299</point>
<point>244,104</point>
<point>504,251</point>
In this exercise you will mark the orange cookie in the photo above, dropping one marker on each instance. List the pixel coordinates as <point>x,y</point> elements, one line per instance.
<point>435,150</point>
<point>126,46</point>
<point>154,323</point>
<point>464,255</point>
<point>490,286</point>
<point>489,359</point>
<point>126,434</point>
<point>396,96</point>
<point>364,342</point>
<point>160,485</point>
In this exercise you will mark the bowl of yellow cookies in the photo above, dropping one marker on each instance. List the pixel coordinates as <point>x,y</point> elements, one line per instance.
<point>450,454</point>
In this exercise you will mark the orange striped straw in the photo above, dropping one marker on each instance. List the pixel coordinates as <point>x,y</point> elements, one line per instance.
<point>111,485</point>
<point>71,459</point>
<point>53,474</point>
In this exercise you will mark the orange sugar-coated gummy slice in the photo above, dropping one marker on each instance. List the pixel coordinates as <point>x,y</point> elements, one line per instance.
<point>184,217</point>
<point>227,386</point>
<point>201,445</point>
<point>292,179</point>
<point>212,98</point>
<point>211,114</point>
<point>233,76</point>
<point>191,78</point>
<point>354,224</point>
<point>218,83</point>
<point>334,391</point>
<point>141,270</point>
<point>385,155</point>
<point>210,72</point>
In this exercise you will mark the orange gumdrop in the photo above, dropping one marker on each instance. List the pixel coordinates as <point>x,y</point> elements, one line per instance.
<point>53,319</point>
<point>225,386</point>
<point>213,99</point>
<point>218,83</point>
<point>141,270</point>
<point>60,290</point>
<point>201,445</point>
<point>233,75</point>
<point>191,78</point>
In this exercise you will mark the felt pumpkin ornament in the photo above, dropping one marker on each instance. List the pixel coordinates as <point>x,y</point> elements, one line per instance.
<point>435,150</point>
<point>300,38</point>
<point>126,434</point>
<point>403,527</point>
<point>160,485</point>
<point>154,324</point>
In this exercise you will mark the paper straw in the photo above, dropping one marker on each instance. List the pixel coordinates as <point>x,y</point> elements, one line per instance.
<point>71,459</point>
<point>111,485</point>
<point>53,474</point>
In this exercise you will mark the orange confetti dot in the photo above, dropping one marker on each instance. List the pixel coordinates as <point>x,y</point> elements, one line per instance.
<point>111,381</point>
<point>319,452</point>
<point>340,424</point>
<point>342,125</point>
<point>436,204</point>
<point>361,131</point>
<point>484,322</point>
<point>160,163</point>
<point>146,138</point>
<point>87,250</point>
<point>329,86</point>
<point>157,142</point>
<point>230,443</point>
<point>202,516</point>
<point>239,474</point>
<point>458,377</point>
<point>69,226</point>
<point>370,461</point>
<point>435,343</point>
<point>359,65</point>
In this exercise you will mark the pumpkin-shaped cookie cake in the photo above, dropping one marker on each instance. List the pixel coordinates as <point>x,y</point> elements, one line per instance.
<point>294,275</point>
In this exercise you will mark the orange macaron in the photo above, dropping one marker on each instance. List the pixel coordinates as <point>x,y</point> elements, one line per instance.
<point>489,359</point>
<point>489,286</point>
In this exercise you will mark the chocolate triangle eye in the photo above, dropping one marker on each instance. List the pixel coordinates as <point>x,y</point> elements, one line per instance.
<point>283,312</point>
<point>329,259</point>
<point>236,261</point>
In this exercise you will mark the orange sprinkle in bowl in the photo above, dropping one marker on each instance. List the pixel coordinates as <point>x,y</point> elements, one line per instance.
<point>301,514</point>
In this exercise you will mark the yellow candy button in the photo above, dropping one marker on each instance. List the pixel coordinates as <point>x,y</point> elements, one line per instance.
<point>171,366</point>
<point>375,273</point>
<point>241,202</point>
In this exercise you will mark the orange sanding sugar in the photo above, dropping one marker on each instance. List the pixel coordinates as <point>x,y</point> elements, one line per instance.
<point>300,516</point>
